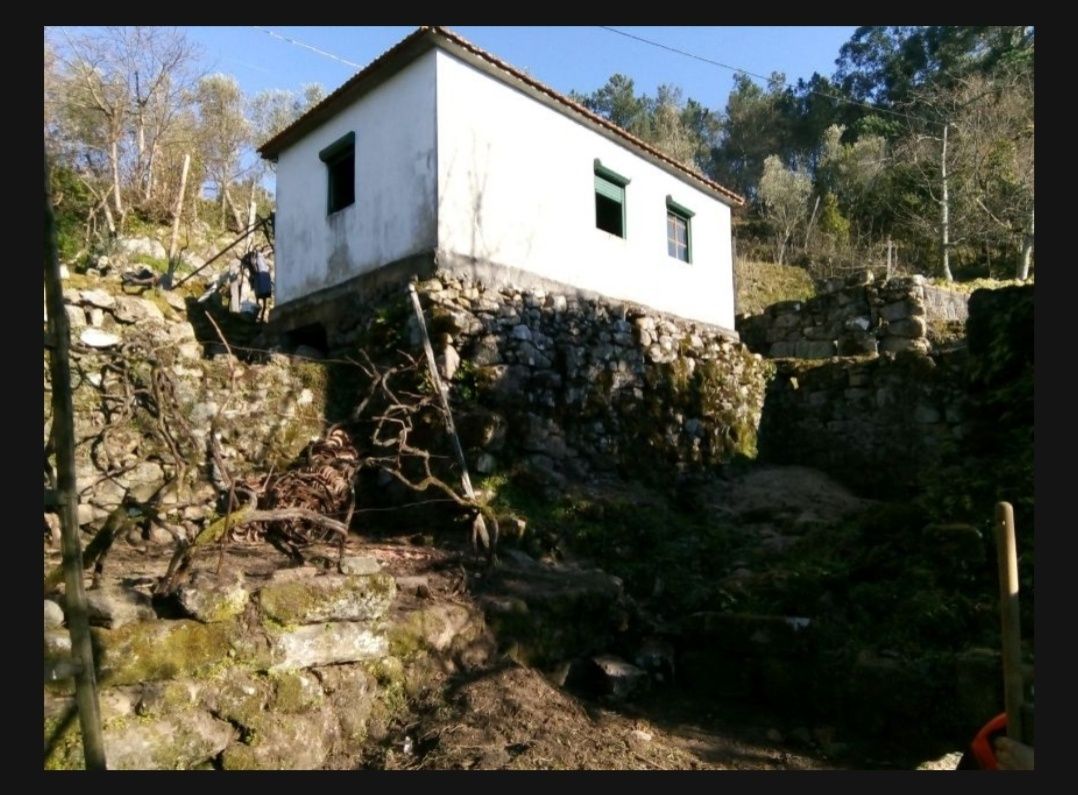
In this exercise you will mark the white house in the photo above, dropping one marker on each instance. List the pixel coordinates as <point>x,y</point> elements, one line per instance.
<point>440,155</point>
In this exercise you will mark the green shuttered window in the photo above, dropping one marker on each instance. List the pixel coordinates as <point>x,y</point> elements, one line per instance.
<point>678,238</point>
<point>609,200</point>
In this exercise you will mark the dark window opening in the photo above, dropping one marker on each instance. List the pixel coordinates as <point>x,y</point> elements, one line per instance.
<point>609,215</point>
<point>313,336</point>
<point>342,182</point>
<point>340,160</point>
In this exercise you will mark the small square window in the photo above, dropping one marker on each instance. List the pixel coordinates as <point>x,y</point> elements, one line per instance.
<point>340,160</point>
<point>609,201</point>
<point>678,236</point>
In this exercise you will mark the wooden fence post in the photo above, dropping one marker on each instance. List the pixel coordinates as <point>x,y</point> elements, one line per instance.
<point>63,426</point>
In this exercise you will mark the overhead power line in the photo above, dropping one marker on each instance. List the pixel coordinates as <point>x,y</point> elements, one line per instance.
<point>307,46</point>
<point>832,97</point>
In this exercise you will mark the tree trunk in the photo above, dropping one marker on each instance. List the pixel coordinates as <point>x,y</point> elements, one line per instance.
<point>1027,251</point>
<point>108,214</point>
<point>235,211</point>
<point>140,163</point>
<point>945,211</point>
<point>808,227</point>
<point>63,427</point>
<point>172,262</point>
<point>115,157</point>
<point>149,173</point>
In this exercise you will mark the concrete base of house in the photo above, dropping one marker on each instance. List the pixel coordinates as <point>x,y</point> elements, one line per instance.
<point>336,310</point>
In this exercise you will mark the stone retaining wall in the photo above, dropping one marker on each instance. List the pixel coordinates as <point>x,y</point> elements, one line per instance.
<point>850,319</point>
<point>876,424</point>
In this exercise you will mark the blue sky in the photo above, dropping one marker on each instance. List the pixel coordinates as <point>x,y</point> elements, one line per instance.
<point>564,58</point>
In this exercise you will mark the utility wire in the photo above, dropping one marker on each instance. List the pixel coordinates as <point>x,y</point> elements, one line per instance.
<point>832,97</point>
<point>311,47</point>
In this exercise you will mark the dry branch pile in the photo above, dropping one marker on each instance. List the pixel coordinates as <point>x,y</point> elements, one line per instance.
<point>323,482</point>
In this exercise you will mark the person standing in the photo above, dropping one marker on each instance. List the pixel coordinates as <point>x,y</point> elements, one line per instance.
<point>258,272</point>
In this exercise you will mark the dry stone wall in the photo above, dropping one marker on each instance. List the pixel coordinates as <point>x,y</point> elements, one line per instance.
<point>146,395</point>
<point>297,669</point>
<point>881,423</point>
<point>559,380</point>
<point>854,317</point>
<point>876,423</point>
<point>574,384</point>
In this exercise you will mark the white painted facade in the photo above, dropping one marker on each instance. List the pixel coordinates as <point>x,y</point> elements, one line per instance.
<point>516,186</point>
<point>394,212</point>
<point>451,159</point>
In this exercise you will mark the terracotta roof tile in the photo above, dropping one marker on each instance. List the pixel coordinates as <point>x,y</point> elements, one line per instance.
<point>273,146</point>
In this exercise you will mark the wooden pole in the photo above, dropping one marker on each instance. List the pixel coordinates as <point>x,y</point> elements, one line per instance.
<point>1010,621</point>
<point>443,392</point>
<point>219,254</point>
<point>251,221</point>
<point>733,272</point>
<point>63,425</point>
<point>172,263</point>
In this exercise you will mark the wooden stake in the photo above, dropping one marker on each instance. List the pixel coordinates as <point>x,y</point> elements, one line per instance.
<point>1010,621</point>
<point>479,525</point>
<point>465,480</point>
<point>251,221</point>
<point>63,425</point>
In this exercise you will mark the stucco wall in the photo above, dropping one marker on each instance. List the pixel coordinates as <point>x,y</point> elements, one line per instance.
<point>394,212</point>
<point>516,187</point>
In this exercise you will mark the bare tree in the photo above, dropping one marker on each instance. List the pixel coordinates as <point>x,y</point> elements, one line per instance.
<point>111,97</point>
<point>969,150</point>
<point>996,123</point>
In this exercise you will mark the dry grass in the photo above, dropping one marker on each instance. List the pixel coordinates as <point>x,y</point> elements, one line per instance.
<point>760,284</point>
<point>968,287</point>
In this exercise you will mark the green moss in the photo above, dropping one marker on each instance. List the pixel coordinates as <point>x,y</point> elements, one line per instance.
<point>167,696</point>
<point>391,699</point>
<point>66,752</point>
<point>240,696</point>
<point>148,651</point>
<point>425,630</point>
<point>81,281</point>
<point>157,298</point>
<point>173,751</point>
<point>156,264</point>
<point>406,638</point>
<point>318,599</point>
<point>296,691</point>
<point>240,756</point>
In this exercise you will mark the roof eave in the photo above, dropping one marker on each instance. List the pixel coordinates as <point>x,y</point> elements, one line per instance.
<point>368,78</point>
<point>554,100</point>
<point>426,38</point>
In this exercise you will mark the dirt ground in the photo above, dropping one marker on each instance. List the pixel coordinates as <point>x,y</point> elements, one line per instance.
<point>508,716</point>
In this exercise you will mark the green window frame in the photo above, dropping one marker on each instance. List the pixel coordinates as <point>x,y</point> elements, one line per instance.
<point>340,160</point>
<point>678,231</point>
<point>610,200</point>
